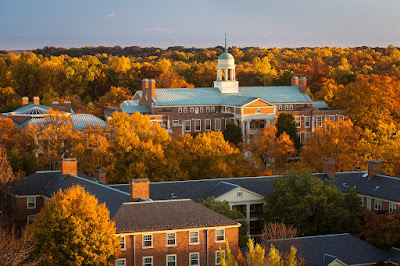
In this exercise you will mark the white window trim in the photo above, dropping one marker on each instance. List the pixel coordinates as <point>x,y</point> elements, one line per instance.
<point>216,257</point>
<point>198,238</point>
<point>291,107</point>
<point>286,107</point>
<point>34,203</point>
<point>332,116</point>
<point>305,121</point>
<point>185,110</point>
<point>170,255</point>
<point>124,260</point>
<point>146,247</point>
<point>207,109</point>
<point>220,124</point>
<point>298,118</point>
<point>201,109</point>
<point>180,110</point>
<point>219,241</point>
<point>392,204</point>
<point>316,120</point>
<point>375,205</point>
<point>166,239</point>
<point>205,124</point>
<point>280,107</point>
<point>195,126</point>
<point>147,257</point>
<point>123,238</point>
<point>192,109</point>
<point>30,216</point>
<point>175,122</point>
<point>362,201</point>
<point>190,126</point>
<point>369,203</point>
<point>198,258</point>
<point>212,109</point>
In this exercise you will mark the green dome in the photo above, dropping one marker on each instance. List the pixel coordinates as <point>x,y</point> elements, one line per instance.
<point>226,56</point>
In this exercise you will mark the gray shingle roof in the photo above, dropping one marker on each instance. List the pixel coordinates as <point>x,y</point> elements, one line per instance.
<point>166,215</point>
<point>344,247</point>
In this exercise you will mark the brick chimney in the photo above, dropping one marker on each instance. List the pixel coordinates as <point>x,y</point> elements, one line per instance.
<point>25,100</point>
<point>36,100</point>
<point>145,88</point>
<point>328,167</point>
<point>140,188</point>
<point>374,168</point>
<point>67,106</point>
<point>101,176</point>
<point>303,84</point>
<point>55,105</point>
<point>295,81</point>
<point>69,166</point>
<point>152,85</point>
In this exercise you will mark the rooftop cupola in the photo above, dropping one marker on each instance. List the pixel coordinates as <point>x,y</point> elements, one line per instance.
<point>226,75</point>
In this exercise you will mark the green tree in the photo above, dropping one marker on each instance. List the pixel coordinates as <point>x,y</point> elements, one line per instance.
<point>74,229</point>
<point>233,133</point>
<point>287,123</point>
<point>222,207</point>
<point>312,205</point>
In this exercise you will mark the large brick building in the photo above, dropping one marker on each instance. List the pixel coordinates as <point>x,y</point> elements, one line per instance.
<point>197,110</point>
<point>167,232</point>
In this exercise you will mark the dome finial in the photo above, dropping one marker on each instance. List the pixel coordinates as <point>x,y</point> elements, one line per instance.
<point>225,44</point>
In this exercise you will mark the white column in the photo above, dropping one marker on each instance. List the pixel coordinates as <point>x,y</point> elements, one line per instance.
<point>226,74</point>
<point>243,128</point>
<point>248,131</point>
<point>248,217</point>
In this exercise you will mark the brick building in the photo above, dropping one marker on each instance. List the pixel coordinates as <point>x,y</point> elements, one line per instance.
<point>168,232</point>
<point>196,110</point>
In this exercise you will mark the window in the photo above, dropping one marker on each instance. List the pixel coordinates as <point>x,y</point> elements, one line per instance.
<point>207,124</point>
<point>299,135</point>
<point>239,194</point>
<point>378,205</point>
<point>188,124</point>
<point>197,125</point>
<point>341,118</point>
<point>306,136</point>
<point>212,109</point>
<point>194,237</point>
<point>392,207</point>
<point>207,109</point>
<point>217,258</point>
<point>332,118</point>
<point>194,259</point>
<point>30,219</point>
<point>185,110</point>
<point>307,121</point>
<point>369,204</point>
<point>319,121</point>
<point>175,122</point>
<point>196,110</point>
<point>147,241</point>
<point>122,243</point>
<point>286,107</point>
<point>147,261</point>
<point>31,203</point>
<point>201,109</point>
<point>362,201</point>
<point>291,107</point>
<point>192,109</point>
<point>180,110</point>
<point>120,262</point>
<point>280,107</point>
<point>171,260</point>
<point>298,121</point>
<point>171,239</point>
<point>219,235</point>
<point>217,124</point>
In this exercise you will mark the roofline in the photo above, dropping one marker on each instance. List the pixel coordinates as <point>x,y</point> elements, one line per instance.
<point>317,236</point>
<point>98,183</point>
<point>160,230</point>
<point>154,201</point>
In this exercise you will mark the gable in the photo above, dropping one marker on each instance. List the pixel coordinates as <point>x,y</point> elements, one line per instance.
<point>257,103</point>
<point>246,195</point>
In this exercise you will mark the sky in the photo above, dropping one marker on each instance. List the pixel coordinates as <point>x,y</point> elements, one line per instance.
<point>31,24</point>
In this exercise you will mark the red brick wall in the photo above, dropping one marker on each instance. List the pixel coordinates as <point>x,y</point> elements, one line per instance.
<point>182,248</point>
<point>21,210</point>
<point>140,188</point>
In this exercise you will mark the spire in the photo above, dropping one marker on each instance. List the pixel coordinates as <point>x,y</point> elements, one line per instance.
<point>225,51</point>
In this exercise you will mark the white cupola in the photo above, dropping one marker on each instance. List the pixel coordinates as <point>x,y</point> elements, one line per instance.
<point>226,75</point>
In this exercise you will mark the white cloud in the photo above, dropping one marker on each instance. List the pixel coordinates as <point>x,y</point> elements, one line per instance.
<point>158,29</point>
<point>110,15</point>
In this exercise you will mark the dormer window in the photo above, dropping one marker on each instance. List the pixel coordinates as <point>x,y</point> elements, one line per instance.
<point>258,111</point>
<point>239,194</point>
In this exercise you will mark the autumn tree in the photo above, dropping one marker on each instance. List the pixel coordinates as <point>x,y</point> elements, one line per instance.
<point>271,152</point>
<point>9,100</point>
<point>74,229</point>
<point>287,123</point>
<point>114,97</point>
<point>233,133</point>
<point>312,205</point>
<point>10,136</point>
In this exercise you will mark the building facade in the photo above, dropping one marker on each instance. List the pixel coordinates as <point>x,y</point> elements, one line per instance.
<point>196,110</point>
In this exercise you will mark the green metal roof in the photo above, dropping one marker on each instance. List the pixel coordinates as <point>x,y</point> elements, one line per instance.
<point>320,105</point>
<point>226,56</point>
<point>135,108</point>
<point>212,96</point>
<point>31,105</point>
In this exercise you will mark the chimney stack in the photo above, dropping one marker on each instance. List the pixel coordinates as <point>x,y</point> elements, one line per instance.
<point>328,167</point>
<point>295,81</point>
<point>303,84</point>
<point>140,188</point>
<point>374,168</point>
<point>101,176</point>
<point>55,105</point>
<point>25,101</point>
<point>152,90</point>
<point>69,166</point>
<point>36,100</point>
<point>145,89</point>
<point>67,106</point>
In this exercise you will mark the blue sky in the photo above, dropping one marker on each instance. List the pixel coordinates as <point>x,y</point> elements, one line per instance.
<point>30,24</point>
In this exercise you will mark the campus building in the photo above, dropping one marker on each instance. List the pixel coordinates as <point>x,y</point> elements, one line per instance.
<point>195,110</point>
